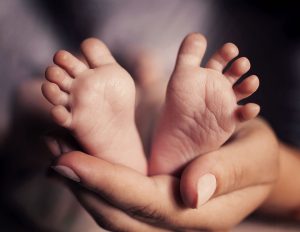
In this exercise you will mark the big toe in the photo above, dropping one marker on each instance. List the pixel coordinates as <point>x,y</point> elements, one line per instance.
<point>191,51</point>
<point>96,53</point>
<point>54,94</point>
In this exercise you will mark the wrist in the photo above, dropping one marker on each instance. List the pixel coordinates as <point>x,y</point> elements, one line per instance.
<point>284,199</point>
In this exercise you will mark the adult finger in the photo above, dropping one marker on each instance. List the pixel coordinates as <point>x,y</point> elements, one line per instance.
<point>107,216</point>
<point>95,173</point>
<point>147,199</point>
<point>155,200</point>
<point>249,159</point>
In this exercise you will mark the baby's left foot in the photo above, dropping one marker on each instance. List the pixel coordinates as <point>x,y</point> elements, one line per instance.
<point>201,110</point>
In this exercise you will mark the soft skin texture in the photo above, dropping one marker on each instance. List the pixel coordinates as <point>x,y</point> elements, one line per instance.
<point>96,102</point>
<point>284,201</point>
<point>201,111</point>
<point>121,199</point>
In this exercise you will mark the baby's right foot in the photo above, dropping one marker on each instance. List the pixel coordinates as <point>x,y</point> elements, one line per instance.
<point>201,111</point>
<point>97,103</point>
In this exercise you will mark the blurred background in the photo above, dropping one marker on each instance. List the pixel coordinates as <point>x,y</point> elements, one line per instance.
<point>31,31</point>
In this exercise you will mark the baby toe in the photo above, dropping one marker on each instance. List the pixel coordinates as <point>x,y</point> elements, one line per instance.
<point>191,51</point>
<point>54,94</point>
<point>96,53</point>
<point>72,65</point>
<point>238,68</point>
<point>58,76</point>
<point>61,116</point>
<point>247,112</point>
<point>246,88</point>
<point>222,57</point>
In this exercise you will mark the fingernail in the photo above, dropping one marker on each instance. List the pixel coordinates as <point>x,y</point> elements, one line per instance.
<point>53,146</point>
<point>66,172</point>
<point>207,185</point>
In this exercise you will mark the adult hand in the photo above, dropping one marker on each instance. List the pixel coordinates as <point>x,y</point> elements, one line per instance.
<point>249,159</point>
<point>121,199</point>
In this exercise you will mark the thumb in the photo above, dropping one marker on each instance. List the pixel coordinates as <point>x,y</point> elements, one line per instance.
<point>228,169</point>
<point>197,175</point>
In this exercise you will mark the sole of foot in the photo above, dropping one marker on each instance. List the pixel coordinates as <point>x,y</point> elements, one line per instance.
<point>95,100</point>
<point>201,109</point>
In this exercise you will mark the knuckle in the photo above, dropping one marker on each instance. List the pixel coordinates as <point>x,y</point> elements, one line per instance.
<point>237,175</point>
<point>272,175</point>
<point>147,213</point>
<point>231,179</point>
<point>109,223</point>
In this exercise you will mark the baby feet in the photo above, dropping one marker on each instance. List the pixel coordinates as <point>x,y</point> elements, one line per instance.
<point>201,110</point>
<point>96,102</point>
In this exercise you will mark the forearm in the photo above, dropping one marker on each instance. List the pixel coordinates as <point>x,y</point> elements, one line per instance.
<point>285,197</point>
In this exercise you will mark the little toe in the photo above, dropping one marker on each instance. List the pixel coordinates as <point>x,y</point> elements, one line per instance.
<point>61,116</point>
<point>246,88</point>
<point>72,65</point>
<point>247,112</point>
<point>238,68</point>
<point>222,57</point>
<point>191,51</point>
<point>54,94</point>
<point>96,53</point>
<point>58,76</point>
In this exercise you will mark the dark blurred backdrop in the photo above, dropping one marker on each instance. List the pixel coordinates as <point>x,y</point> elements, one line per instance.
<point>31,31</point>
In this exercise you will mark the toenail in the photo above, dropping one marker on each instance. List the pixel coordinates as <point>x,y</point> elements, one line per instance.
<point>245,61</point>
<point>56,72</point>
<point>198,42</point>
<point>63,55</point>
<point>230,51</point>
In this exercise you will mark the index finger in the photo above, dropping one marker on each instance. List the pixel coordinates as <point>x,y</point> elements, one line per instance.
<point>152,199</point>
